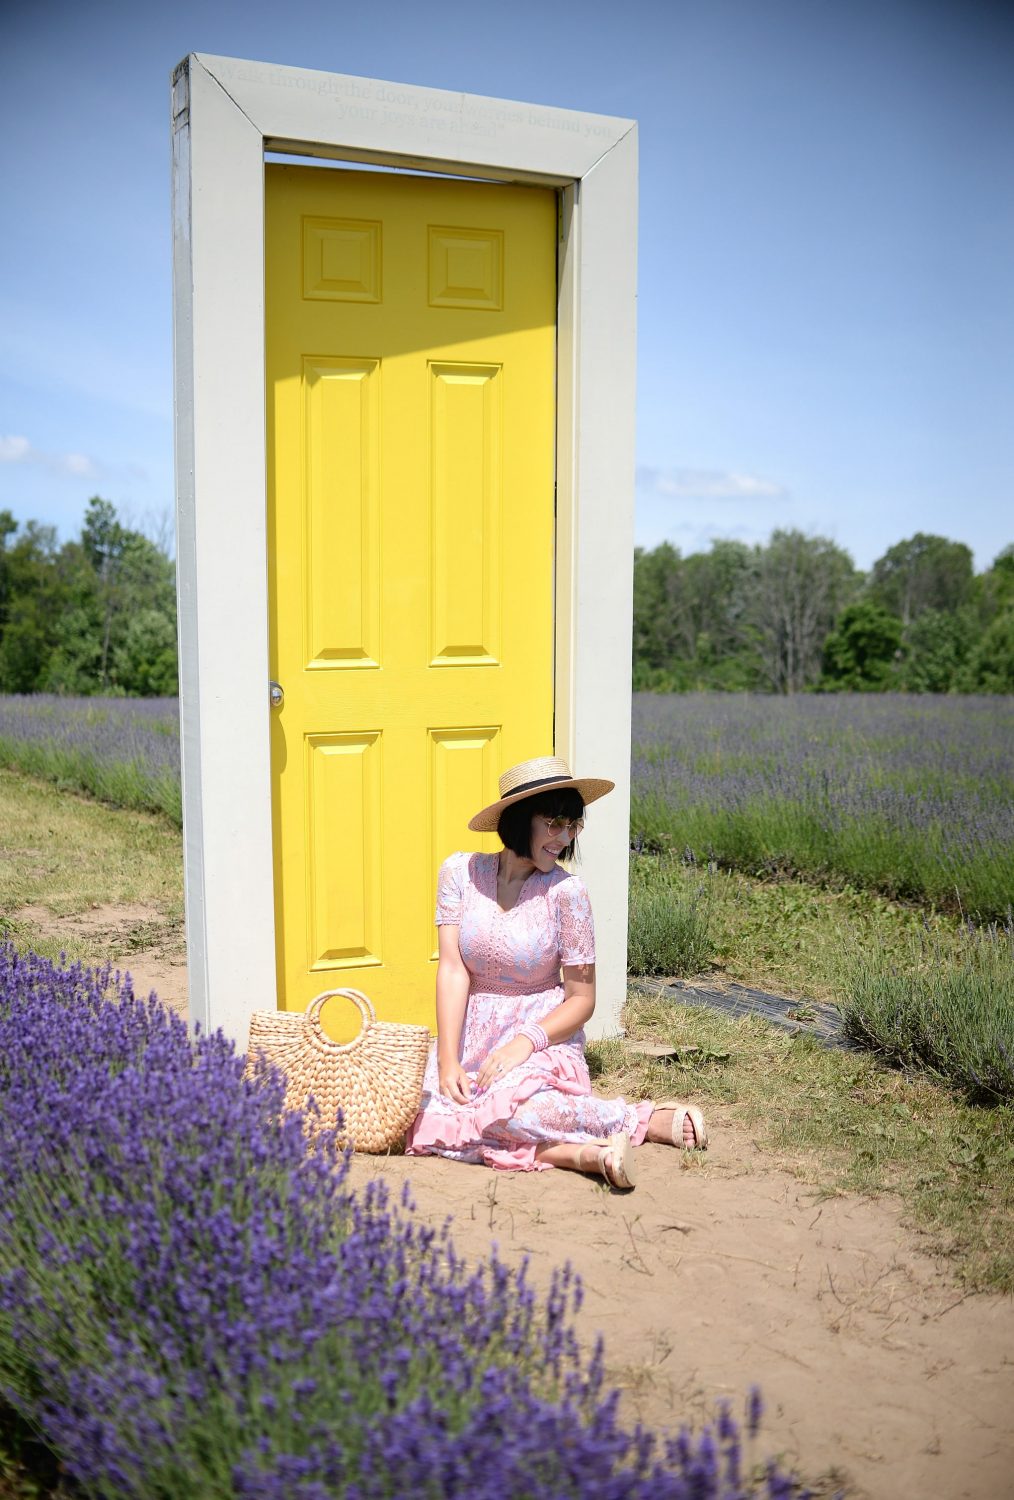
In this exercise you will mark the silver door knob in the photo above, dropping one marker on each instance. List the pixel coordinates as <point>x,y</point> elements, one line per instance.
<point>277,695</point>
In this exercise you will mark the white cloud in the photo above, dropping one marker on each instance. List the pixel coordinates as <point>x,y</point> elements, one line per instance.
<point>78,463</point>
<point>706,484</point>
<point>18,450</point>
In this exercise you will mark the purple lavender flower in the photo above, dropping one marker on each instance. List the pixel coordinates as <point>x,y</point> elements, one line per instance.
<point>193,1302</point>
<point>911,795</point>
<point>126,750</point>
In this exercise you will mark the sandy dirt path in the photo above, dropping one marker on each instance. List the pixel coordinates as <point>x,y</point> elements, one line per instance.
<point>704,1280</point>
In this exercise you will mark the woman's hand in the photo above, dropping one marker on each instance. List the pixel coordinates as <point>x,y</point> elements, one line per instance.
<point>518,1050</point>
<point>455,1083</point>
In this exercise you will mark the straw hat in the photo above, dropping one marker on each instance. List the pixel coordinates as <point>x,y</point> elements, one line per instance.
<point>544,773</point>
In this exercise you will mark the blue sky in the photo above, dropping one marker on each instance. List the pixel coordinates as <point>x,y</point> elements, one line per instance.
<point>826,294</point>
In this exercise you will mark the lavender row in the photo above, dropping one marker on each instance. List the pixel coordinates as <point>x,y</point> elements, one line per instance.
<point>192,1301</point>
<point>144,730</point>
<point>918,791</point>
<point>122,750</point>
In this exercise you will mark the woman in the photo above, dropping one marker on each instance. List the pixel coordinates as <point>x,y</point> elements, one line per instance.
<point>506,1083</point>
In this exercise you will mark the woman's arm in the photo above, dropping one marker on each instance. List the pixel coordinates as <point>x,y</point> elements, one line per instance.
<point>560,1025</point>
<point>577,1005</point>
<point>452,998</point>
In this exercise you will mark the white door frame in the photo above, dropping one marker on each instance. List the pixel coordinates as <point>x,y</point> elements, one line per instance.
<point>226,113</point>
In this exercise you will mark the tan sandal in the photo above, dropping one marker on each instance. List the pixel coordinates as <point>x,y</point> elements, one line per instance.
<point>615,1161</point>
<point>683,1112</point>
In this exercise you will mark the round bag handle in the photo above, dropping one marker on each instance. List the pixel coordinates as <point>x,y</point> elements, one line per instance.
<point>311,1019</point>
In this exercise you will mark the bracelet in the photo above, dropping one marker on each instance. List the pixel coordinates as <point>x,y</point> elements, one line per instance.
<point>536,1035</point>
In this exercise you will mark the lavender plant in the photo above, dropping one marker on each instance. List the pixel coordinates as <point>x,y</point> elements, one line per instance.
<point>122,750</point>
<point>913,796</point>
<point>193,1302</point>
<point>669,928</point>
<point>953,1015</point>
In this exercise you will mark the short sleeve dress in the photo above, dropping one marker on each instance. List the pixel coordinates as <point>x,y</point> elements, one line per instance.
<point>514,959</point>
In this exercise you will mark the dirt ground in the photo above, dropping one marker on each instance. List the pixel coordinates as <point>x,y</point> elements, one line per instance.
<point>722,1271</point>
<point>113,929</point>
<point>872,1364</point>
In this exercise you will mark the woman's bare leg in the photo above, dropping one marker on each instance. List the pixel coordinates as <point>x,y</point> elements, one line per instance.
<point>566,1154</point>
<point>610,1159</point>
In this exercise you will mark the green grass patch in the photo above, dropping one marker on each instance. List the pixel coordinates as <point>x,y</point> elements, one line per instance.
<point>908,795</point>
<point>917,986</point>
<point>65,855</point>
<point>786,934</point>
<point>840,1121</point>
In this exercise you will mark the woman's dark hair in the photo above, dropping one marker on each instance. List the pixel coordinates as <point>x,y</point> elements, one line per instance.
<point>515,825</point>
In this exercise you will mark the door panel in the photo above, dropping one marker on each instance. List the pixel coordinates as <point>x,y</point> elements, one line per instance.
<point>411,385</point>
<point>466,509</point>
<point>342,563</point>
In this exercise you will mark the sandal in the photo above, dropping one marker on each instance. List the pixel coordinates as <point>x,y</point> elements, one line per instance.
<point>615,1160</point>
<point>683,1112</point>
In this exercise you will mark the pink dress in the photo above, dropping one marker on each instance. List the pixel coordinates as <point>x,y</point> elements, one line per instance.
<point>514,959</point>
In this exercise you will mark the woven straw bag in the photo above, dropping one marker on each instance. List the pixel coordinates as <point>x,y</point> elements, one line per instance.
<point>375,1080</point>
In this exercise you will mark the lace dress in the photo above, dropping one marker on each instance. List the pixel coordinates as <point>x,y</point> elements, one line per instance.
<point>514,959</point>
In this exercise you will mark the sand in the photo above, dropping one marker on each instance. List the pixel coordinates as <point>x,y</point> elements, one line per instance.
<point>875,1369</point>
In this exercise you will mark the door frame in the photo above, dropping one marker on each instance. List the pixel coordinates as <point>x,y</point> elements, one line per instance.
<point>226,114</point>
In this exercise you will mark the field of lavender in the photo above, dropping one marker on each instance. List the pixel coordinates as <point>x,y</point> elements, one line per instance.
<point>910,796</point>
<point>122,750</point>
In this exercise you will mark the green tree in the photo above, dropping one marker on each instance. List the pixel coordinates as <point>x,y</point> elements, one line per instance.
<point>103,540</point>
<point>8,526</point>
<point>935,647</point>
<point>97,615</point>
<point>32,606</point>
<point>860,651</point>
<point>923,572</point>
<point>144,661</point>
<point>718,587</point>
<point>690,627</point>
<point>802,582</point>
<point>994,589</point>
<point>654,587</point>
<point>990,667</point>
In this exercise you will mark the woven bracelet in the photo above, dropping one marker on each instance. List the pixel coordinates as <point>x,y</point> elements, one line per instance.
<point>536,1035</point>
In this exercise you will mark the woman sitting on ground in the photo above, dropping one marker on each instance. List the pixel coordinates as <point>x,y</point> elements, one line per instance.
<point>506,1082</point>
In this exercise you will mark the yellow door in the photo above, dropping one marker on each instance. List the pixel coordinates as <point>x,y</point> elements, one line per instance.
<point>411,383</point>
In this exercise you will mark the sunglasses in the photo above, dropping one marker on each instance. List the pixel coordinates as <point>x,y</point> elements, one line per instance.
<point>557,825</point>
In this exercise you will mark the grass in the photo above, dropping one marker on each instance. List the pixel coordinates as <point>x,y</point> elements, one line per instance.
<point>771,838</point>
<point>840,1121</point>
<point>785,934</point>
<point>843,1121</point>
<point>66,855</point>
<point>121,783</point>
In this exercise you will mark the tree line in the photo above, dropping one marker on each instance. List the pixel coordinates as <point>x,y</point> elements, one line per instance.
<point>98,615</point>
<point>795,615</point>
<point>95,615</point>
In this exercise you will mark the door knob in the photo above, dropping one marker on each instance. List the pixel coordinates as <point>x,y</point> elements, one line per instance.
<point>277,695</point>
